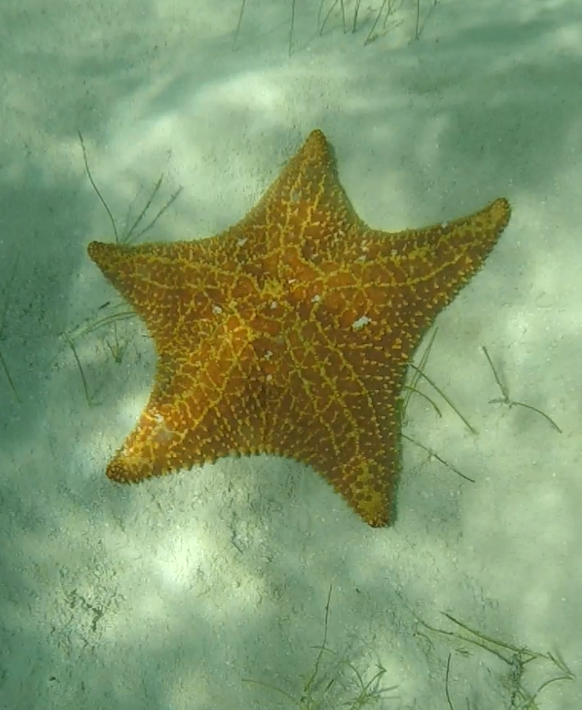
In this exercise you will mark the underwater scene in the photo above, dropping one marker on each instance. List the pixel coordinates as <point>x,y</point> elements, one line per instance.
<point>290,324</point>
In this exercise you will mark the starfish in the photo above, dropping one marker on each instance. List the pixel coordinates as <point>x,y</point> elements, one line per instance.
<point>290,332</point>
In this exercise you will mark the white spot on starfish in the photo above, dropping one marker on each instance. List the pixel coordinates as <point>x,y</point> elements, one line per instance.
<point>361,322</point>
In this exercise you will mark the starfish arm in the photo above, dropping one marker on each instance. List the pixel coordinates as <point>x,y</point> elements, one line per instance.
<point>204,405</point>
<point>177,289</point>
<point>429,266</point>
<point>338,414</point>
<point>304,207</point>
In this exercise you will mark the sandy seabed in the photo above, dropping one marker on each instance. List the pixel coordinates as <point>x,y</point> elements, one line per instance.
<point>177,593</point>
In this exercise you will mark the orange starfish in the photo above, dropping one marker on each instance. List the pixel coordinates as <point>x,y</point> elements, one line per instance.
<point>290,332</point>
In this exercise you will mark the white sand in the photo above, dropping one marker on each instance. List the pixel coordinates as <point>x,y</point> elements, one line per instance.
<point>169,594</point>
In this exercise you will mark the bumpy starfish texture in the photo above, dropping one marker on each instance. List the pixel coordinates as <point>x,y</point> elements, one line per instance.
<point>290,332</point>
